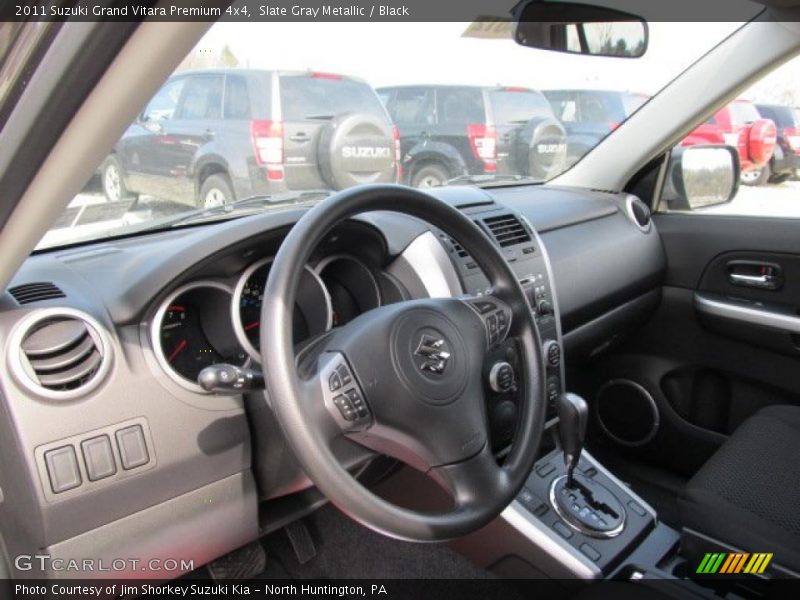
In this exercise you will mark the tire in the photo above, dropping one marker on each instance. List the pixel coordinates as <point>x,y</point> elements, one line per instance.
<point>756,177</point>
<point>430,175</point>
<point>215,191</point>
<point>778,179</point>
<point>112,181</point>
<point>356,149</point>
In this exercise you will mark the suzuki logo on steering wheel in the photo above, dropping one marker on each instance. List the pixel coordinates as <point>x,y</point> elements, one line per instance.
<point>432,350</point>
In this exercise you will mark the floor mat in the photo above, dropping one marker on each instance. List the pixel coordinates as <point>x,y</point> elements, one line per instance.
<point>347,550</point>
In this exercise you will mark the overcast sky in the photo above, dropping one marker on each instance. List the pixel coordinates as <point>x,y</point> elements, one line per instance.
<point>403,53</point>
<point>391,53</point>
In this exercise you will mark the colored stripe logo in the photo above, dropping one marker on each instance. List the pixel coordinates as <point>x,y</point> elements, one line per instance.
<point>733,562</point>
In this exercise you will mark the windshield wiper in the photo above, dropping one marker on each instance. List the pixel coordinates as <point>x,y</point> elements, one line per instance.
<point>263,200</point>
<point>489,178</point>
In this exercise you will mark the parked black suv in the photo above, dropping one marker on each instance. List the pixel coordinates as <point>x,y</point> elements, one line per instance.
<point>214,136</point>
<point>590,115</point>
<point>785,161</point>
<point>451,131</point>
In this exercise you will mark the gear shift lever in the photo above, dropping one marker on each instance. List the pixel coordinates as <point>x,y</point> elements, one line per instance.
<point>573,413</point>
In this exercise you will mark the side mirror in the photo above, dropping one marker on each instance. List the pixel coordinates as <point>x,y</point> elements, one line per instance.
<point>701,176</point>
<point>580,29</point>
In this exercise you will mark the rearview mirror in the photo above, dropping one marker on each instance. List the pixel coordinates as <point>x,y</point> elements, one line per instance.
<point>702,176</point>
<point>580,29</point>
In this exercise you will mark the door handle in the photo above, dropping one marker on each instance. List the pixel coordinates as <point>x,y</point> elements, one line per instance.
<point>760,281</point>
<point>300,137</point>
<point>210,133</point>
<point>755,274</point>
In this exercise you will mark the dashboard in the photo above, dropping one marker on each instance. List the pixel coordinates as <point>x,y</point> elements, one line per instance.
<point>111,448</point>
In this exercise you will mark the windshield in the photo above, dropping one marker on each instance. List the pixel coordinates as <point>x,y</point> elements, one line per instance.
<point>289,112</point>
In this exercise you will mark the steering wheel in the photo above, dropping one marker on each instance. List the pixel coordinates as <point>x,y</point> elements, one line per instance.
<point>405,379</point>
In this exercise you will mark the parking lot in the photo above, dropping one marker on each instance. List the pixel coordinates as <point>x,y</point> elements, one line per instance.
<point>764,201</point>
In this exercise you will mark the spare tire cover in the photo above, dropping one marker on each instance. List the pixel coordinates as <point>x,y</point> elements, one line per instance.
<point>356,149</point>
<point>542,148</point>
<point>761,141</point>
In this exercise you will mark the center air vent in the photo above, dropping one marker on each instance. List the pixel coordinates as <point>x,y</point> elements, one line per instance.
<point>59,353</point>
<point>507,230</point>
<point>35,292</point>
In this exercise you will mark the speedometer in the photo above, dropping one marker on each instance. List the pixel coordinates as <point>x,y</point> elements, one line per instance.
<point>311,315</point>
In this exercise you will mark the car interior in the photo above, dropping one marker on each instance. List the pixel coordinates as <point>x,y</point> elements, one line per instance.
<point>558,381</point>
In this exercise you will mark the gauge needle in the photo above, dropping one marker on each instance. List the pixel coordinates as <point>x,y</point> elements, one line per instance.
<point>252,325</point>
<point>178,349</point>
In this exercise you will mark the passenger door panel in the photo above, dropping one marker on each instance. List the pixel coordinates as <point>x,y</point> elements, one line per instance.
<point>708,370</point>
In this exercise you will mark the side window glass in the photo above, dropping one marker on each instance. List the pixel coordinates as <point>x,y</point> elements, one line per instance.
<point>164,103</point>
<point>760,129</point>
<point>202,98</point>
<point>460,106</point>
<point>413,106</point>
<point>237,102</point>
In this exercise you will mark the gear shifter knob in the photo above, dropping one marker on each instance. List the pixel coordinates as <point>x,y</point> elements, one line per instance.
<point>573,414</point>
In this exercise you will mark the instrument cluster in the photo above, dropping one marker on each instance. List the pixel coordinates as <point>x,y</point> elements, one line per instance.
<point>208,321</point>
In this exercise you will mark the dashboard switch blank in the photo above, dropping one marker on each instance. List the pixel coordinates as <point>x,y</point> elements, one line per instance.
<point>98,457</point>
<point>132,447</point>
<point>62,467</point>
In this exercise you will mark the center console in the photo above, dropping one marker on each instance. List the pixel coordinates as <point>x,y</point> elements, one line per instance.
<point>573,519</point>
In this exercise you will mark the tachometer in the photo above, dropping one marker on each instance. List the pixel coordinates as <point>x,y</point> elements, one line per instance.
<point>192,331</point>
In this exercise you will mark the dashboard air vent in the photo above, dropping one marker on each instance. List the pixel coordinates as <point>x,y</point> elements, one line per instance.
<point>35,292</point>
<point>60,353</point>
<point>507,230</point>
<point>639,213</point>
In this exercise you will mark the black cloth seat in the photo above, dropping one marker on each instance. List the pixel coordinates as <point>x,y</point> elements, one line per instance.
<point>748,493</point>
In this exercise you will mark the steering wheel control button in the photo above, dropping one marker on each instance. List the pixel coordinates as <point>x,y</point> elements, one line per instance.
<point>335,382</point>
<point>552,353</point>
<point>491,325</point>
<point>342,396</point>
<point>132,447</point>
<point>98,458</point>
<point>484,306</point>
<point>62,468</point>
<point>345,406</point>
<point>496,318</point>
<point>501,377</point>
<point>344,374</point>
<point>357,402</point>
